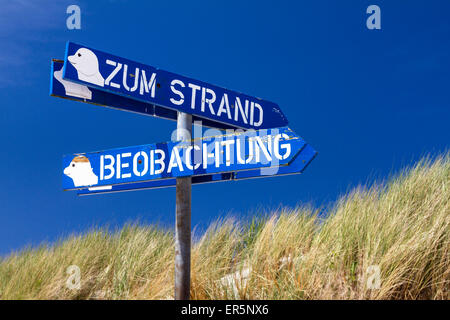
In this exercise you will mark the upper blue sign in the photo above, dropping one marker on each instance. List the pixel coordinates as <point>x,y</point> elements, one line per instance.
<point>78,92</point>
<point>148,84</point>
<point>269,149</point>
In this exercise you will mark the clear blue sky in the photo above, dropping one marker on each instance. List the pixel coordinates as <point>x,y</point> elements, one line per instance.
<point>370,101</point>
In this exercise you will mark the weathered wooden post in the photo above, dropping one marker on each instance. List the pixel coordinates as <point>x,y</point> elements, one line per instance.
<point>183,219</point>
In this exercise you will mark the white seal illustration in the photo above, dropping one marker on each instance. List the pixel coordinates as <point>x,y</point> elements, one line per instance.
<point>73,89</point>
<point>81,172</point>
<point>86,63</point>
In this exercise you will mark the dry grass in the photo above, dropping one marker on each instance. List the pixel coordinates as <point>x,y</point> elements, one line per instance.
<point>403,227</point>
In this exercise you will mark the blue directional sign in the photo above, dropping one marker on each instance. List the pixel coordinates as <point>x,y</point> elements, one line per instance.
<point>77,92</point>
<point>297,165</point>
<point>99,70</point>
<point>247,150</point>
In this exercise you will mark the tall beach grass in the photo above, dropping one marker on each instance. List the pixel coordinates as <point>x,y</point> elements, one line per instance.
<point>387,241</point>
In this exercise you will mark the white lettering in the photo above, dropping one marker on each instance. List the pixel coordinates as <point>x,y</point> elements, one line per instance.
<point>276,146</point>
<point>125,165</point>
<point>240,144</point>
<point>159,161</point>
<point>147,86</point>
<point>125,76</point>
<point>259,146</point>
<point>227,144</point>
<point>175,154</point>
<point>207,155</point>
<point>177,92</point>
<point>194,89</point>
<point>224,102</point>
<point>260,120</point>
<point>189,157</point>
<point>109,167</point>
<point>113,73</point>
<point>209,101</point>
<point>136,161</point>
<point>238,106</point>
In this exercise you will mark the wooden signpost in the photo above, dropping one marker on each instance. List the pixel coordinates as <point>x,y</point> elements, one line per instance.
<point>265,147</point>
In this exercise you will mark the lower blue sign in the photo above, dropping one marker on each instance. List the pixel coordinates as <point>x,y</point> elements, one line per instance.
<point>298,165</point>
<point>241,151</point>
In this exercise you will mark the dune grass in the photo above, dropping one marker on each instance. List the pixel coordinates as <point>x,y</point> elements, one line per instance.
<point>400,228</point>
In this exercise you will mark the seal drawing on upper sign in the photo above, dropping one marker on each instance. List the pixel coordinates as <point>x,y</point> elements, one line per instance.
<point>86,63</point>
<point>73,89</point>
<point>81,172</point>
